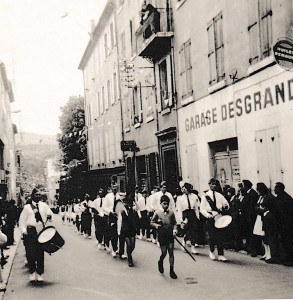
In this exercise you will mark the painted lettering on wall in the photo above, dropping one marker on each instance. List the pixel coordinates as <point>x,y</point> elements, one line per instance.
<point>259,100</point>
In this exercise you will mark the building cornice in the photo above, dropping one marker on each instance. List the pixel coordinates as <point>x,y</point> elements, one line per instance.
<point>104,18</point>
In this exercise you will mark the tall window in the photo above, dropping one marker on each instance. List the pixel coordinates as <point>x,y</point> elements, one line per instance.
<point>137,104</point>
<point>186,69</point>
<point>216,49</point>
<point>108,94</point>
<point>114,88</point>
<point>106,45</point>
<point>164,92</point>
<point>99,104</point>
<point>123,46</point>
<point>112,35</point>
<point>1,155</point>
<point>103,100</point>
<point>132,37</point>
<point>260,29</point>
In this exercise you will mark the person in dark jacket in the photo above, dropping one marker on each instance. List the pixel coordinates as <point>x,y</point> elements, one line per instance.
<point>11,217</point>
<point>253,242</point>
<point>285,222</point>
<point>267,209</point>
<point>127,226</point>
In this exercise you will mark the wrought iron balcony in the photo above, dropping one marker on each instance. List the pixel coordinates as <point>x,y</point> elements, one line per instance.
<point>153,37</point>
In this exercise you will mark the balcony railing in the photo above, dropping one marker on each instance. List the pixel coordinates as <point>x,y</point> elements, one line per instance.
<point>153,36</point>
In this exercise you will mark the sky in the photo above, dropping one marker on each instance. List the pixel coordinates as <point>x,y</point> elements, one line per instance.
<point>42,43</point>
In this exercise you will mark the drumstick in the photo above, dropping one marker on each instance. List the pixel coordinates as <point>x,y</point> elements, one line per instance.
<point>184,248</point>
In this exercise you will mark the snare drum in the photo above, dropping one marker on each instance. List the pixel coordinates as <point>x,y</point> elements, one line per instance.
<point>225,228</point>
<point>50,240</point>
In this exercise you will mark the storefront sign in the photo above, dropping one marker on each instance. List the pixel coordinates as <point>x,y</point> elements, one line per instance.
<point>128,145</point>
<point>283,52</point>
<point>269,96</point>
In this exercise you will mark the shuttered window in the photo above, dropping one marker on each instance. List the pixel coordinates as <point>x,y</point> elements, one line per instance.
<point>185,69</point>
<point>260,29</point>
<point>216,49</point>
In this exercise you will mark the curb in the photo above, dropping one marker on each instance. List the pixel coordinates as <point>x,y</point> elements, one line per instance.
<point>11,252</point>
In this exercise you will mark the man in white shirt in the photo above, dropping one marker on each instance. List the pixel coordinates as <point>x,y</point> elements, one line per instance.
<point>142,210</point>
<point>188,206</point>
<point>212,203</point>
<point>158,196</point>
<point>99,218</point>
<point>31,221</point>
<point>108,207</point>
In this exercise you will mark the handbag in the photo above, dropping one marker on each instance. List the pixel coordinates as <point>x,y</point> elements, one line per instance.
<point>257,229</point>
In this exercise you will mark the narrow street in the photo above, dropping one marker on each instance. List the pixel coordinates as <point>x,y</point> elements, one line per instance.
<point>81,271</point>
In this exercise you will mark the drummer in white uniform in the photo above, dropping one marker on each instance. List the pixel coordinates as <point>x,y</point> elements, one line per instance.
<point>31,221</point>
<point>212,204</point>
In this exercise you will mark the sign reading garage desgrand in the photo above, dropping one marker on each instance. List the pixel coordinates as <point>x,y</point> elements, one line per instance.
<point>269,96</point>
<point>283,52</point>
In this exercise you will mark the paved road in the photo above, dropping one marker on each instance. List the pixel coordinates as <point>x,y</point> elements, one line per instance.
<point>81,271</point>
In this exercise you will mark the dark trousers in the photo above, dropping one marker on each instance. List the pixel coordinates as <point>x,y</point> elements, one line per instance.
<point>287,244</point>
<point>213,237</point>
<point>130,245</point>
<point>144,224</point>
<point>86,223</point>
<point>100,227</point>
<point>112,236</point>
<point>34,252</point>
<point>10,234</point>
<point>191,227</point>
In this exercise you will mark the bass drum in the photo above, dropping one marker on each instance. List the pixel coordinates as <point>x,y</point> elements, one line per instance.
<point>225,228</point>
<point>50,239</point>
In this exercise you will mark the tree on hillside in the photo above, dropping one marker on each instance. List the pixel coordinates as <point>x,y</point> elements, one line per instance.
<point>73,144</point>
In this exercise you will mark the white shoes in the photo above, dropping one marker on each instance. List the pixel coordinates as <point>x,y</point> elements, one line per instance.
<point>154,241</point>
<point>39,277</point>
<point>193,250</point>
<point>222,258</point>
<point>33,276</point>
<point>113,254</point>
<point>100,247</point>
<point>149,240</point>
<point>212,255</point>
<point>123,256</point>
<point>140,237</point>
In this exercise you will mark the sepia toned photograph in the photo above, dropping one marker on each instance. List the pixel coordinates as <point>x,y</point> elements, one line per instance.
<point>146,149</point>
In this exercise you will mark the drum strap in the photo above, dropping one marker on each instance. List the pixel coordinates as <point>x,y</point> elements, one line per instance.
<point>212,204</point>
<point>37,214</point>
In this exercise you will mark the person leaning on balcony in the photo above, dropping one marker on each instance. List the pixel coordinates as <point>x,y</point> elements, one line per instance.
<point>146,11</point>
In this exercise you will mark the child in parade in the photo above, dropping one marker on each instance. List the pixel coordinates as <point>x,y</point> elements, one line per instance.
<point>127,227</point>
<point>165,223</point>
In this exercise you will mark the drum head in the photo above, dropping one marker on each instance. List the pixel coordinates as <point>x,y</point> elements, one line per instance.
<point>223,221</point>
<point>46,235</point>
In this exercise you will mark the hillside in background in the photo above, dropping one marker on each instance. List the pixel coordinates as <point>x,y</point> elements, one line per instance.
<point>35,149</point>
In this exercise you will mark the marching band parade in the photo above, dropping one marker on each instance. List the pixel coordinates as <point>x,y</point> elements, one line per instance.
<point>170,165</point>
<point>258,224</point>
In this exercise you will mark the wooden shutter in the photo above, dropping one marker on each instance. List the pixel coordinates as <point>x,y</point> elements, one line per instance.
<point>182,71</point>
<point>219,47</point>
<point>265,27</point>
<point>211,53</point>
<point>253,29</point>
<point>188,67</point>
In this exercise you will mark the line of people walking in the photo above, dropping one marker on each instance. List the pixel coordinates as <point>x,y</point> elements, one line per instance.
<point>261,223</point>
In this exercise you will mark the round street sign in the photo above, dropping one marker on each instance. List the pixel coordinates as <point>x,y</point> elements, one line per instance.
<point>283,53</point>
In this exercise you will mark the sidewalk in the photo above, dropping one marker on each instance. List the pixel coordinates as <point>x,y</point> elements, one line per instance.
<point>11,252</point>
